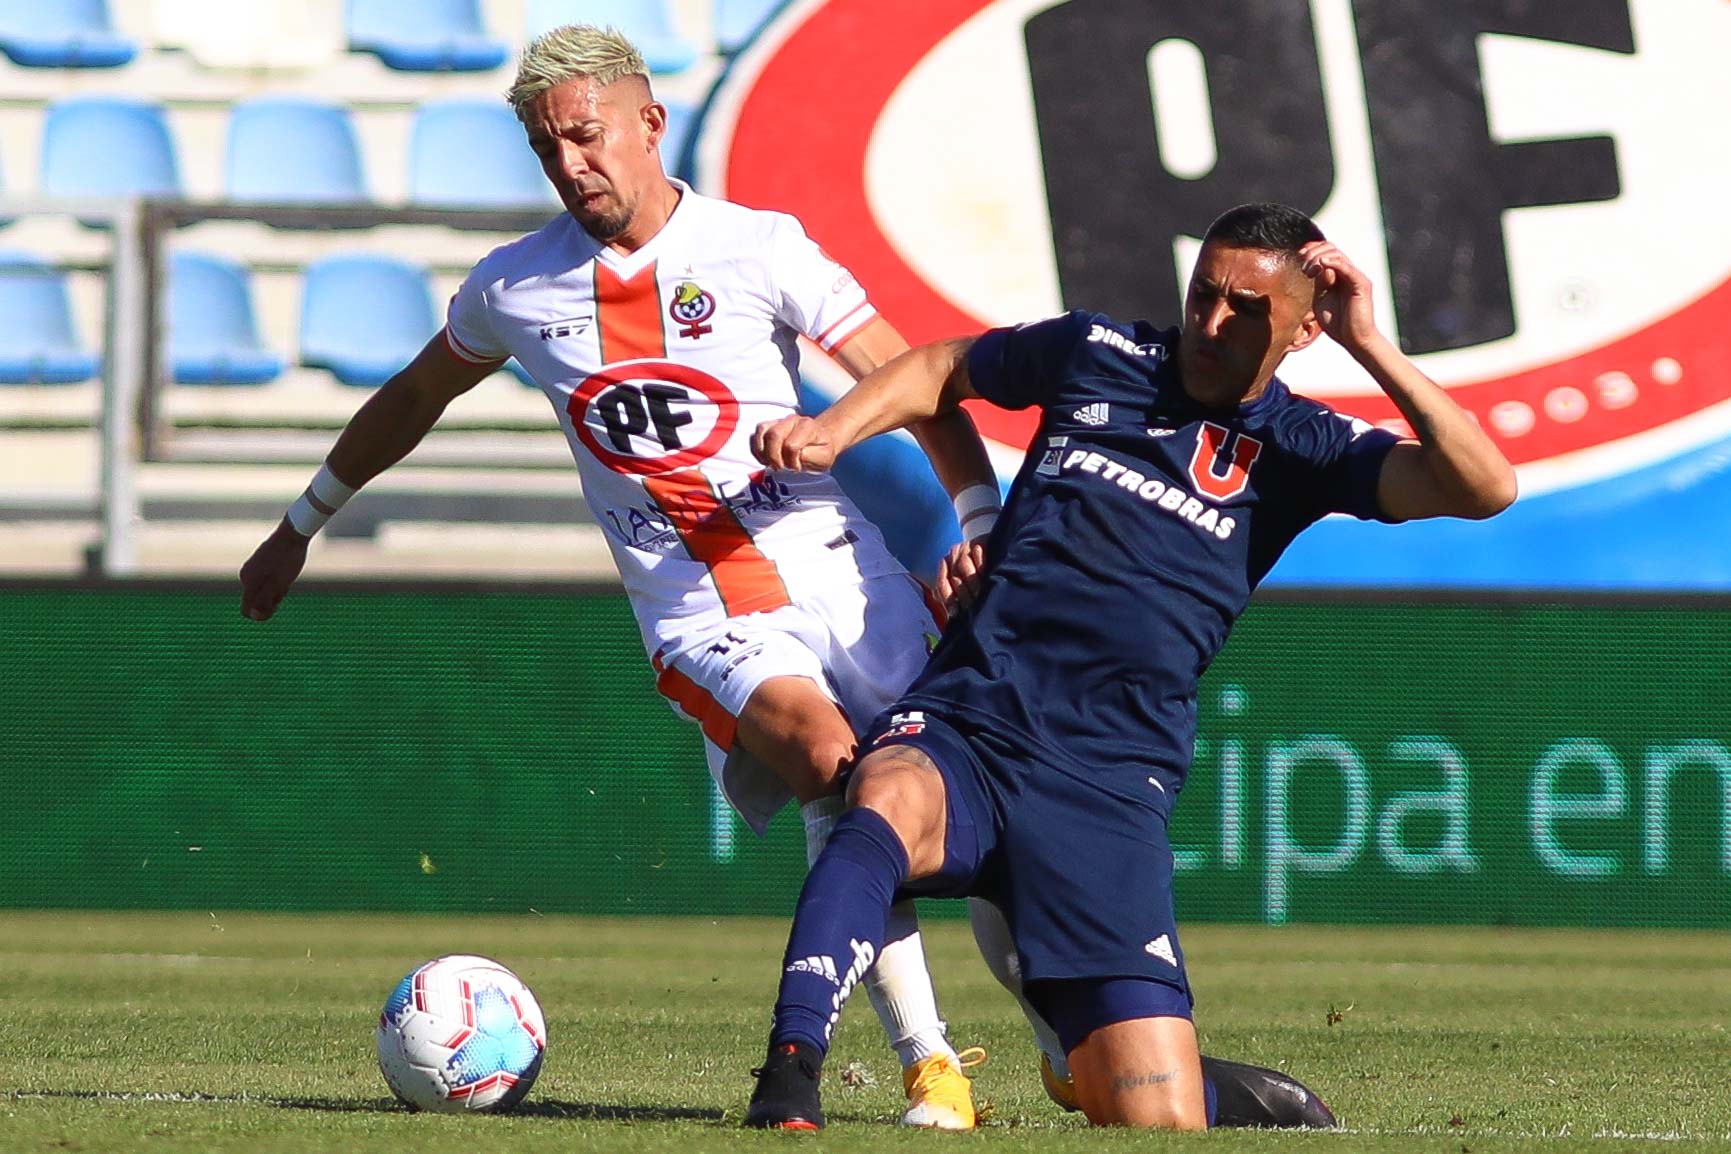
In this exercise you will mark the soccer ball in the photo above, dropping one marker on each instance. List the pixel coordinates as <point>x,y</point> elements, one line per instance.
<point>461,1033</point>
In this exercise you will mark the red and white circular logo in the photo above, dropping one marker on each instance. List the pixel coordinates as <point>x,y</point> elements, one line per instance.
<point>653,416</point>
<point>1515,177</point>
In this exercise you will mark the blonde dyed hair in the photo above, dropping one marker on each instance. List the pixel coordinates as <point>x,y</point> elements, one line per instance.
<point>568,52</point>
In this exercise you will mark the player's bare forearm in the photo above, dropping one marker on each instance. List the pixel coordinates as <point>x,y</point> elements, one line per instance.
<point>383,431</point>
<point>914,387</point>
<point>957,454</point>
<point>1455,469</point>
<point>399,415</point>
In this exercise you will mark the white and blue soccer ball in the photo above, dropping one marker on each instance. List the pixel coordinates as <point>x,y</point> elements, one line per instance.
<point>459,1034</point>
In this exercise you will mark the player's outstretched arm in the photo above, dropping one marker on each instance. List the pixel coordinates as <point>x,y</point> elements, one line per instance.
<point>1452,469</point>
<point>953,446</point>
<point>381,433</point>
<point>916,386</point>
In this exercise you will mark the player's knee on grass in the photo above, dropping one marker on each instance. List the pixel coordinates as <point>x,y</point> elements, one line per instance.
<point>1132,1050</point>
<point>791,726</point>
<point>904,788</point>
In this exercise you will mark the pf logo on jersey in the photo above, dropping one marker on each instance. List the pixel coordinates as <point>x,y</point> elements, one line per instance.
<point>652,416</point>
<point>690,308</point>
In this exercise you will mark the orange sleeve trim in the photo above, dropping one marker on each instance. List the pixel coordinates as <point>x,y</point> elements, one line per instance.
<point>834,336</point>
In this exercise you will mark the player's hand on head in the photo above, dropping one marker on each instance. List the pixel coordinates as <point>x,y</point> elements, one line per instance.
<point>959,574</point>
<point>797,443</point>
<point>1345,306</point>
<point>268,573</point>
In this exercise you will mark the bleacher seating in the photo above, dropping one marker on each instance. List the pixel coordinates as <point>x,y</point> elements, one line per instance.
<point>62,34</point>
<point>363,317</point>
<point>287,35</point>
<point>472,153</point>
<point>38,345</point>
<point>96,146</point>
<point>737,21</point>
<point>649,24</point>
<point>212,331</point>
<point>285,150</point>
<point>424,35</point>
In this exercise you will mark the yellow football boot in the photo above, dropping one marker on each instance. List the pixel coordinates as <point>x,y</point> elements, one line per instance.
<point>1060,1090</point>
<point>940,1095</point>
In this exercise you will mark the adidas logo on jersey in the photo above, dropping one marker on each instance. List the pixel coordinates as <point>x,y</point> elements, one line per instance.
<point>1097,413</point>
<point>821,965</point>
<point>1161,947</point>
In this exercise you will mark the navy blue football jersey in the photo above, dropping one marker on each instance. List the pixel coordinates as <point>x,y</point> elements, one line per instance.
<point>1132,538</point>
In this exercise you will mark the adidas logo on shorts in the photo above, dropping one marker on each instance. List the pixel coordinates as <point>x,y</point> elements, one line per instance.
<point>1161,947</point>
<point>1097,413</point>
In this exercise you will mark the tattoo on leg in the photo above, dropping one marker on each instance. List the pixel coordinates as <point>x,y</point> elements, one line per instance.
<point>1132,1081</point>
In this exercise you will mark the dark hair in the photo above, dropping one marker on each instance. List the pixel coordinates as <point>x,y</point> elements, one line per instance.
<point>1271,227</point>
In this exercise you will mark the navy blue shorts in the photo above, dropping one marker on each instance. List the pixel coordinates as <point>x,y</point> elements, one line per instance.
<point>1079,862</point>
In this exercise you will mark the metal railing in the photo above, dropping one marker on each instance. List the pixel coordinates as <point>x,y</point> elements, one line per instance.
<point>134,372</point>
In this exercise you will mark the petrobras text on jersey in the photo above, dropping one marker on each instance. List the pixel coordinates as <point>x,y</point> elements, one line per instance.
<point>1169,498</point>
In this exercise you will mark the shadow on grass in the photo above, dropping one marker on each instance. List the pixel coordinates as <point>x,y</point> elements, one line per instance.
<point>534,1108</point>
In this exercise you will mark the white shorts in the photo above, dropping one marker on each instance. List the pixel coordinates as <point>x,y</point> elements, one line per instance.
<point>860,644</point>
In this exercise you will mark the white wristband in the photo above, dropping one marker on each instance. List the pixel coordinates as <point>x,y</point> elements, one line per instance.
<point>977,509</point>
<point>322,498</point>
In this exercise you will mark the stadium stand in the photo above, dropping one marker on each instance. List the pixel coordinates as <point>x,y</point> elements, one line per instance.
<point>212,331</point>
<point>38,345</point>
<point>469,153</point>
<point>99,146</point>
<point>649,23</point>
<point>424,35</point>
<point>254,373</point>
<point>62,34</point>
<point>285,150</point>
<point>363,317</point>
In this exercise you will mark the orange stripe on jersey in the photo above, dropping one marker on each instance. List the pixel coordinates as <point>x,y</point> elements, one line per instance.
<point>746,580</point>
<point>629,315</point>
<point>718,725</point>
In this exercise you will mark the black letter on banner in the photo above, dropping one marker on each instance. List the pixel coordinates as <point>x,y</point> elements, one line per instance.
<point>1444,183</point>
<point>1115,209</point>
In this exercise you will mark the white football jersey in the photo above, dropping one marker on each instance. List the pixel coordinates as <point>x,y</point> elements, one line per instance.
<point>660,365</point>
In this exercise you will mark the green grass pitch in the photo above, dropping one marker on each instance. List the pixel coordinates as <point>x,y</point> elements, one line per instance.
<point>251,1032</point>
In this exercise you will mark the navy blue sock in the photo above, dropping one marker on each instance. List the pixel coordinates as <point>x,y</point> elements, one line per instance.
<point>1210,1099</point>
<point>838,926</point>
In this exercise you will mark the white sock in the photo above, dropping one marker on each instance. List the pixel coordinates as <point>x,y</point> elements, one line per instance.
<point>819,817</point>
<point>898,984</point>
<point>900,988</point>
<point>992,935</point>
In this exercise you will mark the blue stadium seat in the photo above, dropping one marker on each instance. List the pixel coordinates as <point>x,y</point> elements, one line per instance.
<point>737,21</point>
<point>424,35</point>
<point>363,317</point>
<point>286,150</point>
<point>212,334</point>
<point>37,343</point>
<point>62,34</point>
<point>108,146</point>
<point>473,153</point>
<point>649,24</point>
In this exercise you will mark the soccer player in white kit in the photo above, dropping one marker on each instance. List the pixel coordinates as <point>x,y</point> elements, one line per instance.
<point>663,326</point>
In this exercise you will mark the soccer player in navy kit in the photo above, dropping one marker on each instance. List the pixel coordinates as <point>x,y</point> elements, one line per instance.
<point>1036,760</point>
